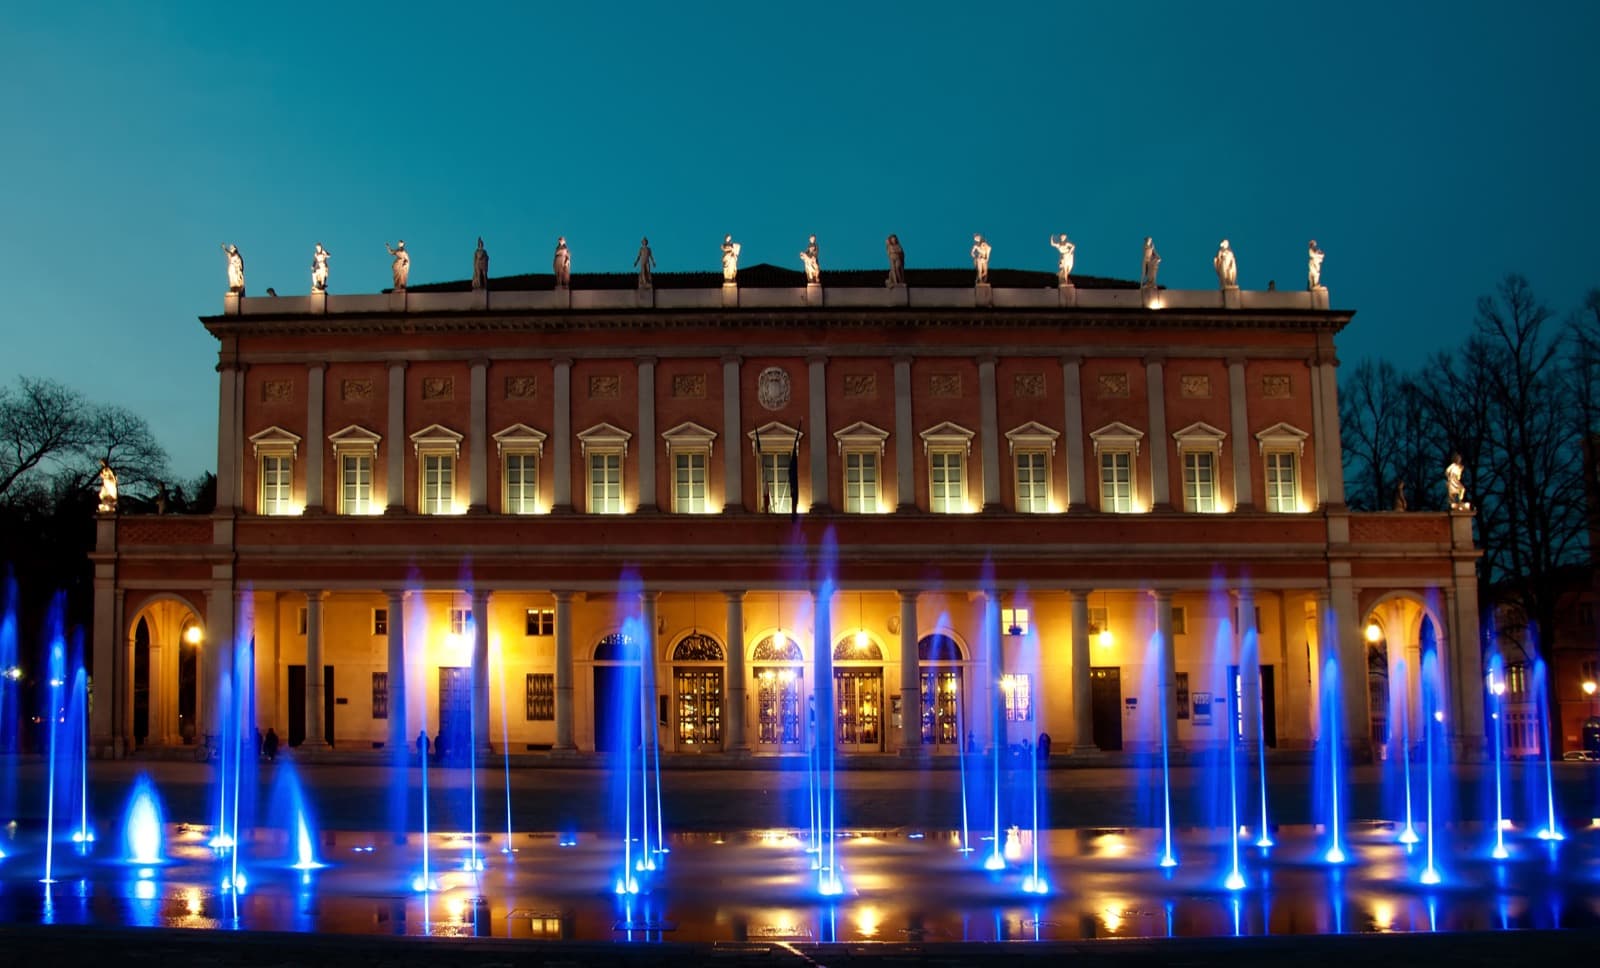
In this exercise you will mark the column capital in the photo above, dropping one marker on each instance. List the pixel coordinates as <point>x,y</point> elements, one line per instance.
<point>479,362</point>
<point>397,364</point>
<point>733,358</point>
<point>909,594</point>
<point>1161,594</point>
<point>562,597</point>
<point>1071,359</point>
<point>317,365</point>
<point>646,360</point>
<point>1154,359</point>
<point>734,594</point>
<point>816,359</point>
<point>481,595</point>
<point>316,594</point>
<point>1234,360</point>
<point>561,361</point>
<point>986,359</point>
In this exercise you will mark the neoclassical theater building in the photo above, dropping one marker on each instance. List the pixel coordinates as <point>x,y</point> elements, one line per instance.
<point>893,518</point>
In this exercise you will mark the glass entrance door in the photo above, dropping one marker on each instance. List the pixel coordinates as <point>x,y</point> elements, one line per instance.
<point>778,709</point>
<point>699,708</point>
<point>941,715</point>
<point>859,694</point>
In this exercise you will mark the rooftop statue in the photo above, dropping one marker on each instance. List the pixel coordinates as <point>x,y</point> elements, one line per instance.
<point>402,263</point>
<point>480,267</point>
<point>646,261</point>
<point>1227,267</point>
<point>1454,489</point>
<point>980,258</point>
<point>319,269</point>
<point>235,269</point>
<point>809,259</point>
<point>1314,265</point>
<point>1064,266</point>
<point>897,261</point>
<point>562,263</point>
<point>1151,264</point>
<point>108,489</point>
<point>730,260</point>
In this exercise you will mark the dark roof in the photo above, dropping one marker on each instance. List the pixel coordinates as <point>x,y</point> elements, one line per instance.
<point>765,276</point>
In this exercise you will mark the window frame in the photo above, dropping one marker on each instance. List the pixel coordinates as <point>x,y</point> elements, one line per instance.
<point>865,444</point>
<point>1281,441</point>
<point>690,442</point>
<point>1029,440</point>
<point>769,443</point>
<point>536,620</point>
<point>1111,441</point>
<point>283,449</point>
<point>1197,440</point>
<point>951,445</point>
<point>520,443</point>
<point>441,443</point>
<point>605,442</point>
<point>356,442</point>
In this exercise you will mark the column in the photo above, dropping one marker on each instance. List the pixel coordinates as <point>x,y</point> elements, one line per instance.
<point>216,654</point>
<point>822,666</point>
<point>990,433</point>
<point>1169,667</point>
<point>1082,689</point>
<point>478,440</point>
<point>480,669</point>
<point>396,499</point>
<point>1239,428</point>
<point>1466,647</point>
<point>647,433</point>
<point>910,677</point>
<point>1318,412</point>
<point>399,734</point>
<point>817,387</point>
<point>1344,634</point>
<point>736,675</point>
<point>733,438</point>
<point>109,661</point>
<point>316,728</point>
<point>1072,392</point>
<point>562,432</point>
<point>228,446</point>
<point>564,671</point>
<point>993,636</point>
<point>316,440</point>
<point>649,649</point>
<point>1330,466</point>
<point>1249,667</point>
<point>905,480</point>
<point>1156,396</point>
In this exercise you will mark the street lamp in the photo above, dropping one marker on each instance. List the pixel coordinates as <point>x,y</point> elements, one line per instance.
<point>1588,688</point>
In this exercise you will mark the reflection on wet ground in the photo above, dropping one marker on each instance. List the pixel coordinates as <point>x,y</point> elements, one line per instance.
<point>902,885</point>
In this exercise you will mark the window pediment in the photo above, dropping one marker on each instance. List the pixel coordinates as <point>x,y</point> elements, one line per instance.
<point>1199,436</point>
<point>520,439</point>
<point>275,441</point>
<point>1283,436</point>
<point>689,436</point>
<point>355,439</point>
<point>436,438</point>
<point>1117,436</point>
<point>604,438</point>
<point>1033,436</point>
<point>861,436</point>
<point>947,436</point>
<point>774,437</point>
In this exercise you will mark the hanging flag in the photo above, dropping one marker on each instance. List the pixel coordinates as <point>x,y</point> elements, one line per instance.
<point>794,477</point>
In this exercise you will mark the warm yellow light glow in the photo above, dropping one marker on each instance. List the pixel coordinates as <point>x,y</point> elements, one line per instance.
<point>787,675</point>
<point>1588,687</point>
<point>1105,638</point>
<point>867,921</point>
<point>1497,686</point>
<point>193,635</point>
<point>863,639</point>
<point>1374,633</point>
<point>455,907</point>
<point>454,642</point>
<point>192,902</point>
<point>1382,915</point>
<point>1111,914</point>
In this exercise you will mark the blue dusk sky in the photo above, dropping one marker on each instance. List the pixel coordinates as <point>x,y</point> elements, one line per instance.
<point>1430,148</point>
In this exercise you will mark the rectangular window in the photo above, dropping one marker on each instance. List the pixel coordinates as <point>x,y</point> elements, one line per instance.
<point>1014,620</point>
<point>861,482</point>
<point>605,483</point>
<point>689,483</point>
<point>277,480</point>
<point>355,484</point>
<point>541,622</point>
<point>438,483</point>
<point>1099,619</point>
<point>1033,485</point>
<point>775,483</point>
<point>301,620</point>
<point>380,695</point>
<point>1180,620</point>
<point>947,493</point>
<point>1283,488</point>
<point>1017,691</point>
<point>380,621</point>
<point>1200,481</point>
<point>1256,616</point>
<point>1181,681</point>
<point>460,619</point>
<point>1116,481</point>
<point>541,697</point>
<point>522,483</point>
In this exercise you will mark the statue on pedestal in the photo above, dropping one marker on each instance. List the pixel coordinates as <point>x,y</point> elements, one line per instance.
<point>1227,267</point>
<point>1454,489</point>
<point>897,261</point>
<point>480,267</point>
<point>235,269</point>
<point>809,259</point>
<point>402,263</point>
<point>108,489</point>
<point>646,261</point>
<point>1313,266</point>
<point>1400,496</point>
<point>730,260</point>
<point>1150,265</point>
<point>1064,265</point>
<point>980,258</point>
<point>319,269</point>
<point>562,263</point>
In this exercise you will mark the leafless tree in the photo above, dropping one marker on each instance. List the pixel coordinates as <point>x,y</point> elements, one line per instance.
<point>52,439</point>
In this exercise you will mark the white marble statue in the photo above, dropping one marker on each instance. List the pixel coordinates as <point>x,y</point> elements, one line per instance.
<point>809,259</point>
<point>402,263</point>
<point>235,269</point>
<point>562,263</point>
<point>1064,266</point>
<point>480,267</point>
<point>1151,264</point>
<point>646,261</point>
<point>1454,489</point>
<point>1314,258</point>
<point>108,489</point>
<point>980,258</point>
<point>730,260</point>
<point>319,269</point>
<point>1227,267</point>
<point>897,261</point>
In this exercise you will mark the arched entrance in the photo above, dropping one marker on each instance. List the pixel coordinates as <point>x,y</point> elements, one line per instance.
<point>1398,631</point>
<point>166,639</point>
<point>697,681</point>
<point>858,694</point>
<point>940,663</point>
<point>779,669</point>
<point>617,697</point>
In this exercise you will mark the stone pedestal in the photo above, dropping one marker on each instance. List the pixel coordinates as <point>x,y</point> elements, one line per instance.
<point>230,304</point>
<point>480,299</point>
<point>899,296</point>
<point>983,294</point>
<point>397,300</point>
<point>1069,296</point>
<point>1319,297</point>
<point>319,302</point>
<point>1150,296</point>
<point>814,294</point>
<point>730,295</point>
<point>563,298</point>
<point>647,298</point>
<point>1230,297</point>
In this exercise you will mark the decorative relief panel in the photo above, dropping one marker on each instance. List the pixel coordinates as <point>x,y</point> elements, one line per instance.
<point>605,387</point>
<point>944,385</point>
<point>438,388</point>
<point>689,385</point>
<point>1195,385</point>
<point>522,387</point>
<point>772,388</point>
<point>1028,385</point>
<point>274,391</point>
<point>861,385</point>
<point>1276,385</point>
<point>1113,384</point>
<point>355,390</point>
